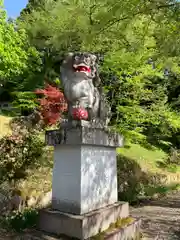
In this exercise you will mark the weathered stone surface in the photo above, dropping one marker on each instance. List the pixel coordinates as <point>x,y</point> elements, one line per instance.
<point>82,133</point>
<point>84,178</point>
<point>84,187</point>
<point>129,232</point>
<point>82,87</point>
<point>82,226</point>
<point>82,123</point>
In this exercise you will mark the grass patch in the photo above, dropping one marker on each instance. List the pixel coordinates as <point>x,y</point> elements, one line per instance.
<point>20,220</point>
<point>149,160</point>
<point>39,179</point>
<point>146,158</point>
<point>160,189</point>
<point>140,175</point>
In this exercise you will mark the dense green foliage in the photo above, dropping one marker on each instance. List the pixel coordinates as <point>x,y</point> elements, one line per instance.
<point>20,220</point>
<point>139,43</point>
<point>135,184</point>
<point>33,5</point>
<point>20,151</point>
<point>19,61</point>
<point>24,102</point>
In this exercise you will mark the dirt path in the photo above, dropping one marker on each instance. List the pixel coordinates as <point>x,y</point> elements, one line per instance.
<point>160,218</point>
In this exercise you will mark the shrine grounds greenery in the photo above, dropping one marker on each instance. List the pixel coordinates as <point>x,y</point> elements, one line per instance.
<point>139,56</point>
<point>142,172</point>
<point>140,175</point>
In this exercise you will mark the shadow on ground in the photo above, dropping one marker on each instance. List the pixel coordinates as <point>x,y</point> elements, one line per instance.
<point>160,218</point>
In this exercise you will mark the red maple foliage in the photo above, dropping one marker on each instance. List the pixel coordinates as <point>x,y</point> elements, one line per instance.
<point>52,105</point>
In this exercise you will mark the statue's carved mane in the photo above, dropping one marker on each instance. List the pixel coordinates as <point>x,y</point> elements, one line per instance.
<point>81,82</point>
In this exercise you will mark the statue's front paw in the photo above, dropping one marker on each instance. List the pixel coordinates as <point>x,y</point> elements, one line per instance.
<point>90,114</point>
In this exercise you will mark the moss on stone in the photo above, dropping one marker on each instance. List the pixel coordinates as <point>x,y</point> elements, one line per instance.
<point>120,223</point>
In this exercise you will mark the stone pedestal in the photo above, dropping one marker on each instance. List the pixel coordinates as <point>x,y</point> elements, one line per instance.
<point>82,226</point>
<point>84,187</point>
<point>84,178</point>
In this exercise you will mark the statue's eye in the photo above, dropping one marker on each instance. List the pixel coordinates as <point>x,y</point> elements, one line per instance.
<point>76,58</point>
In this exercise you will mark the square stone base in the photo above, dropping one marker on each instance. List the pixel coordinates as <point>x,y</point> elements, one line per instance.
<point>84,178</point>
<point>82,226</point>
<point>129,232</point>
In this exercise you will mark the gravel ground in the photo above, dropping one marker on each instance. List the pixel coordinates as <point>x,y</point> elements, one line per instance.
<point>160,218</point>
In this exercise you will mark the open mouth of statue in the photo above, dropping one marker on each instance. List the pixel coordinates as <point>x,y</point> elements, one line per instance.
<point>82,68</point>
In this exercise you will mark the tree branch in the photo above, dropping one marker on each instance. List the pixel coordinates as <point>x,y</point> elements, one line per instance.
<point>111,22</point>
<point>91,10</point>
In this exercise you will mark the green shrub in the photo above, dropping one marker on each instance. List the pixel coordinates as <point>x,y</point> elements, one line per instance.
<point>174,156</point>
<point>20,220</point>
<point>131,179</point>
<point>25,102</point>
<point>135,184</point>
<point>172,162</point>
<point>19,151</point>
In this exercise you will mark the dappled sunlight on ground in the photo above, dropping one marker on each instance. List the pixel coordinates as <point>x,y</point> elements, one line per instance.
<point>161,218</point>
<point>4,125</point>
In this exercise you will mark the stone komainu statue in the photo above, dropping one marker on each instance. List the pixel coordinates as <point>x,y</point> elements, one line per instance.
<point>82,86</point>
